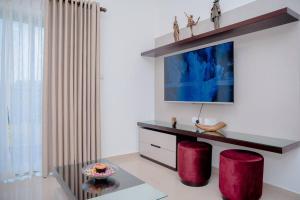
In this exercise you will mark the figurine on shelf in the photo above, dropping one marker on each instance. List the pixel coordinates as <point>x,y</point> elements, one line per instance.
<point>176,29</point>
<point>191,23</point>
<point>174,122</point>
<point>216,14</point>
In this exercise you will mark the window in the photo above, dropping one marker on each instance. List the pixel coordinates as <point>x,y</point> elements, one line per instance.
<point>21,74</point>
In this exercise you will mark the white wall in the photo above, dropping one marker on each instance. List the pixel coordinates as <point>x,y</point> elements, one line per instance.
<point>127,86</point>
<point>267,77</point>
<point>267,89</point>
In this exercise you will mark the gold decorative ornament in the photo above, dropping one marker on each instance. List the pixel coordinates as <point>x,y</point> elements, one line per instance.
<point>211,128</point>
<point>214,133</point>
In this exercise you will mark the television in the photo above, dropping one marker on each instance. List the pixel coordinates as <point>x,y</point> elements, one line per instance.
<point>200,76</point>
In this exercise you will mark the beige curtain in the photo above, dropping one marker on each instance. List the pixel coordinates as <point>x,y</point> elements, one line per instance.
<point>71,99</point>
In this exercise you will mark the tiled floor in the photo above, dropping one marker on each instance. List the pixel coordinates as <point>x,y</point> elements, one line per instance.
<point>168,182</point>
<point>36,188</point>
<point>160,177</point>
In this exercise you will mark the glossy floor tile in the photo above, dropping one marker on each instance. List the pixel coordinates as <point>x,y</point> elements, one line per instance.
<point>160,177</point>
<point>36,188</point>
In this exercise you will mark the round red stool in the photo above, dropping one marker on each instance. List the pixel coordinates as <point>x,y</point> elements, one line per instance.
<point>194,163</point>
<point>241,175</point>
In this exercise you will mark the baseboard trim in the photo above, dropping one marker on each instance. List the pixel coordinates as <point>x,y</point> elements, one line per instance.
<point>122,156</point>
<point>157,162</point>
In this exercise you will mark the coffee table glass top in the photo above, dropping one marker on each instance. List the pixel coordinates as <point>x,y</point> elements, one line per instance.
<point>79,187</point>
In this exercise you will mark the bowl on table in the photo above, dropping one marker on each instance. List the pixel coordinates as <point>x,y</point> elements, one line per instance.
<point>98,171</point>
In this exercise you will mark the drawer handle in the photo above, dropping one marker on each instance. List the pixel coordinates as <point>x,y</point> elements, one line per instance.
<point>155,146</point>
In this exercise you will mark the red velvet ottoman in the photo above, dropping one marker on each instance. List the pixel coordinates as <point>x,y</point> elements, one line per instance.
<point>241,175</point>
<point>194,162</point>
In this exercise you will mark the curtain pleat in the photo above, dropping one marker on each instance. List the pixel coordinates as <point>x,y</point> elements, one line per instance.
<point>97,85</point>
<point>88,82</point>
<point>92,80</point>
<point>65,88</point>
<point>46,103</point>
<point>71,100</point>
<point>71,94</point>
<point>59,100</point>
<point>79,86</point>
<point>84,68</point>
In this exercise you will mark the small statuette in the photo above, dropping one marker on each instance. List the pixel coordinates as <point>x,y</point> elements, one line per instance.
<point>174,122</point>
<point>176,30</point>
<point>216,14</point>
<point>191,23</point>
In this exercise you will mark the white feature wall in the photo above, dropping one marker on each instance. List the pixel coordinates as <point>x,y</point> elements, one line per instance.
<point>267,72</point>
<point>267,89</point>
<point>127,85</point>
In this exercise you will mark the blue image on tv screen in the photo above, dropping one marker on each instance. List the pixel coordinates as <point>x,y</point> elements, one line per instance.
<point>204,75</point>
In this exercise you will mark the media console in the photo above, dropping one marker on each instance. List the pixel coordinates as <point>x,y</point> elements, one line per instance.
<point>158,141</point>
<point>158,146</point>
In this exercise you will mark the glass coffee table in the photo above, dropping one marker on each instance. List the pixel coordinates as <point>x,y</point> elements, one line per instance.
<point>121,185</point>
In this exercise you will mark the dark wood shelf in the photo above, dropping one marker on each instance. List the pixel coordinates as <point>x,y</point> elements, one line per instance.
<point>269,20</point>
<point>275,145</point>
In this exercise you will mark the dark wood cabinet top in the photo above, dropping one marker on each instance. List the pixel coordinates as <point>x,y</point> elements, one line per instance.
<point>268,20</point>
<point>275,145</point>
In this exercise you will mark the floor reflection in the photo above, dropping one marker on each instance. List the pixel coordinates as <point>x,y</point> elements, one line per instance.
<point>102,186</point>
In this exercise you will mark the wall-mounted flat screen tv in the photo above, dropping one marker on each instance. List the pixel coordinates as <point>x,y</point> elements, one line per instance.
<point>200,76</point>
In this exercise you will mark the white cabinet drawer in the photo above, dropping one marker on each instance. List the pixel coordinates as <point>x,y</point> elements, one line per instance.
<point>163,140</point>
<point>159,154</point>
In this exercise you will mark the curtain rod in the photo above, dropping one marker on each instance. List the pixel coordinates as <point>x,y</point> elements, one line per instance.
<point>102,9</point>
